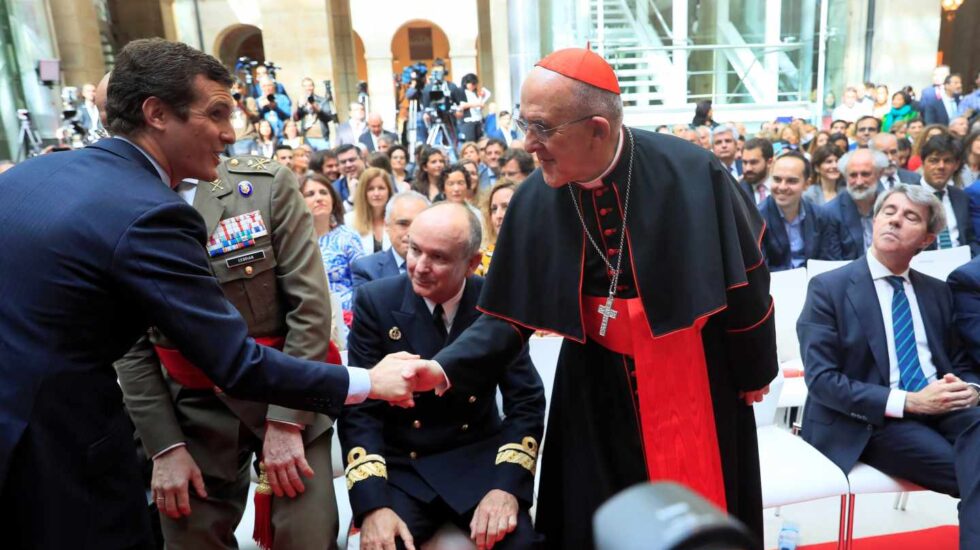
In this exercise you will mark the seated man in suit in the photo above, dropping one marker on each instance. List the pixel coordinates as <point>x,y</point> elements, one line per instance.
<point>450,458</point>
<point>795,230</point>
<point>940,160</point>
<point>850,213</point>
<point>351,168</point>
<point>399,214</point>
<point>889,383</point>
<point>887,144</point>
<point>375,131</point>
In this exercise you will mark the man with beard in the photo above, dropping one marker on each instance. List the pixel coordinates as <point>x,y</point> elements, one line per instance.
<point>756,160</point>
<point>850,213</point>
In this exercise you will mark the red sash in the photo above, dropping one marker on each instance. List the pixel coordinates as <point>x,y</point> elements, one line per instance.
<point>188,375</point>
<point>676,413</point>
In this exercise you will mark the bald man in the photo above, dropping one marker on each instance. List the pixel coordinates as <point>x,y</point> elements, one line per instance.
<point>641,251</point>
<point>375,132</point>
<point>451,458</point>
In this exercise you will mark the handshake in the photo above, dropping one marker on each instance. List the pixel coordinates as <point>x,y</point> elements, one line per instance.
<point>399,375</point>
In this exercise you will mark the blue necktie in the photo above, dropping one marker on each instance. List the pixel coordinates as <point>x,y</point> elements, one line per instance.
<point>910,376</point>
<point>945,240</point>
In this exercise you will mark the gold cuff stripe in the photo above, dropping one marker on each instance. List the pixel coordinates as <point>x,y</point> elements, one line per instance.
<point>361,466</point>
<point>524,454</point>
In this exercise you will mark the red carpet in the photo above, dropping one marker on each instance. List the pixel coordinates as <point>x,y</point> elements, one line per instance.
<point>937,538</point>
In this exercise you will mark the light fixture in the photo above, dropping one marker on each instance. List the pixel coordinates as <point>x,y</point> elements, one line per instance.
<point>950,7</point>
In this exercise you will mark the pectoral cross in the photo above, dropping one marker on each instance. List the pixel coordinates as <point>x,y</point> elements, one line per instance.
<point>607,312</point>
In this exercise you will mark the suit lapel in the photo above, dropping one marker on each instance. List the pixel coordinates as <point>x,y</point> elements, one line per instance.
<point>852,220</point>
<point>932,321</point>
<point>415,322</point>
<point>466,313</point>
<point>961,209</point>
<point>863,297</point>
<point>810,236</point>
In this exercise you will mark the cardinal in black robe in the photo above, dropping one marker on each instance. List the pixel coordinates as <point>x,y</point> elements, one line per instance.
<point>657,382</point>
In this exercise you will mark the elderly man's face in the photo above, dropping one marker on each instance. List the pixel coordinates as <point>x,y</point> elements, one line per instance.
<point>862,176</point>
<point>570,152</point>
<point>724,147</point>
<point>850,98</point>
<point>901,227</point>
<point>374,124</point>
<point>403,213</point>
<point>437,261</point>
<point>191,147</point>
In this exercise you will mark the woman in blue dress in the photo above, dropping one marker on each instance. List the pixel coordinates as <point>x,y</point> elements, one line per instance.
<point>339,244</point>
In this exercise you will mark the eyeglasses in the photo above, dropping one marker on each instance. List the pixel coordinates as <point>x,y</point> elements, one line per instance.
<point>540,132</point>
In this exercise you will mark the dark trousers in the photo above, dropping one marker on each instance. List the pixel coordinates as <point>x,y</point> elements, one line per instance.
<point>425,518</point>
<point>940,453</point>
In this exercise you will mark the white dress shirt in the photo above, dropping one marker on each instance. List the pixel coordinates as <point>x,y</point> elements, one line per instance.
<point>895,406</point>
<point>954,232</point>
<point>449,307</point>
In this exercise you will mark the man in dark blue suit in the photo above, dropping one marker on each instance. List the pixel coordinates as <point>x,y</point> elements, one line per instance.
<point>946,106</point>
<point>97,248</point>
<point>796,231</point>
<point>889,383</point>
<point>351,167</point>
<point>850,213</point>
<point>940,160</point>
<point>399,214</point>
<point>756,161</point>
<point>451,458</point>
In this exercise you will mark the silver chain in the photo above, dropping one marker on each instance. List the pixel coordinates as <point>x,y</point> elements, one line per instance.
<point>622,236</point>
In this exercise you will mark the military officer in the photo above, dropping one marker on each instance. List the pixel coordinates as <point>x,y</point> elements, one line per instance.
<point>450,458</point>
<point>263,252</point>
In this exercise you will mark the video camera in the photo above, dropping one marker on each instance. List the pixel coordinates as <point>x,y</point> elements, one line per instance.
<point>414,72</point>
<point>246,65</point>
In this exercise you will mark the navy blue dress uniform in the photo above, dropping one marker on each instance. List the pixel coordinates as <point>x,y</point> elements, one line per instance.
<point>96,249</point>
<point>819,237</point>
<point>434,463</point>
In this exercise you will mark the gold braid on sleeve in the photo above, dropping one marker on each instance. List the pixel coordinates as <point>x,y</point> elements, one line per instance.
<point>524,454</point>
<point>361,466</point>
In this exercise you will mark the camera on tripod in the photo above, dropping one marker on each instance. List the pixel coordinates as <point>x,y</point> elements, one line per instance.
<point>245,65</point>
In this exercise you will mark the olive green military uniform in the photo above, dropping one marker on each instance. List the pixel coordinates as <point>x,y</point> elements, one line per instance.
<point>277,283</point>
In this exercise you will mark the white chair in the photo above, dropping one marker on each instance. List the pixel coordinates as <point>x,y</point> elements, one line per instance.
<point>940,263</point>
<point>865,480</point>
<point>792,471</point>
<point>788,289</point>
<point>816,267</point>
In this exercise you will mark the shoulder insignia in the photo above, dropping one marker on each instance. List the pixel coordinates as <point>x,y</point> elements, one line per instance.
<point>252,165</point>
<point>524,454</point>
<point>258,163</point>
<point>361,466</point>
<point>216,185</point>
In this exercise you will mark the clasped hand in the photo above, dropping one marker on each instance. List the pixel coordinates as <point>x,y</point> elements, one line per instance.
<point>949,393</point>
<point>399,375</point>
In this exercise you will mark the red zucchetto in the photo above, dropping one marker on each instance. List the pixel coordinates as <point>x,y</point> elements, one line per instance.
<point>583,65</point>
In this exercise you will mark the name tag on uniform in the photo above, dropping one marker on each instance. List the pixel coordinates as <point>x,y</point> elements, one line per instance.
<point>236,233</point>
<point>245,259</point>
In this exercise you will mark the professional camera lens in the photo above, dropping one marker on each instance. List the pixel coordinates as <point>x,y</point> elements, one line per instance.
<point>310,99</point>
<point>271,98</point>
<point>237,96</point>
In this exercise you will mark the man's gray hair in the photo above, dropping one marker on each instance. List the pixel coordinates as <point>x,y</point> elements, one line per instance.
<point>920,196</point>
<point>594,101</point>
<point>724,129</point>
<point>404,196</point>
<point>880,160</point>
